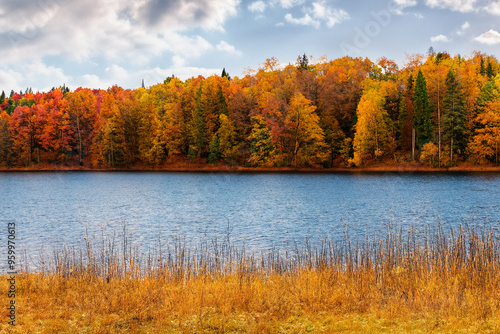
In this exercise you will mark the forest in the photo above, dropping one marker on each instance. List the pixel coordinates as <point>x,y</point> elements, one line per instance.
<point>437,110</point>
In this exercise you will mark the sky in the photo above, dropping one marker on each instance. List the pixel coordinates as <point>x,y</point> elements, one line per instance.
<point>100,43</point>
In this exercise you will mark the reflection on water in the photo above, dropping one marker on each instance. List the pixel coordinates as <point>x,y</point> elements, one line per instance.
<point>257,210</point>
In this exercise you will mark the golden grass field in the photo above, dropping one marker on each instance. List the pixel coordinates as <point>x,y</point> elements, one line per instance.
<point>431,282</point>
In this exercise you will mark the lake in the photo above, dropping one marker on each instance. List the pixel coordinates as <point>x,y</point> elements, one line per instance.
<point>256,210</point>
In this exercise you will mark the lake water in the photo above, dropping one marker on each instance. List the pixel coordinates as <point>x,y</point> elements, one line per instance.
<point>257,211</point>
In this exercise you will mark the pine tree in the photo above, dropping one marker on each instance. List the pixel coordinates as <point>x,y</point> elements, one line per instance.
<point>11,106</point>
<point>422,112</point>
<point>454,116</point>
<point>198,124</point>
<point>225,74</point>
<point>406,115</point>
<point>302,62</point>
<point>489,71</point>
<point>214,148</point>
<point>2,97</point>
<point>482,70</point>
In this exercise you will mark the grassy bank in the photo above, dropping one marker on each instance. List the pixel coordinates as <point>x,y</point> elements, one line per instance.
<point>440,281</point>
<point>186,166</point>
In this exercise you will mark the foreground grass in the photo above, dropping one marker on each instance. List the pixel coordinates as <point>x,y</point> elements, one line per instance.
<point>438,284</point>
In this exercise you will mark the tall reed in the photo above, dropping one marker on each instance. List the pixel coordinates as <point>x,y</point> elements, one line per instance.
<point>436,280</point>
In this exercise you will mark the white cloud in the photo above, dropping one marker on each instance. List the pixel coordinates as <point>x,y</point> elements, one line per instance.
<point>331,16</point>
<point>257,7</point>
<point>405,3</point>
<point>493,8</point>
<point>288,3</point>
<point>490,37</point>
<point>115,29</point>
<point>306,20</point>
<point>318,13</point>
<point>178,61</point>
<point>92,81</point>
<point>463,28</point>
<point>400,5</point>
<point>24,75</point>
<point>463,6</point>
<point>133,79</point>
<point>226,47</point>
<point>10,79</point>
<point>440,38</point>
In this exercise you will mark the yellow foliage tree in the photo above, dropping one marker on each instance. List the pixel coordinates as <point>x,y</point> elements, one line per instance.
<point>307,137</point>
<point>373,133</point>
<point>485,143</point>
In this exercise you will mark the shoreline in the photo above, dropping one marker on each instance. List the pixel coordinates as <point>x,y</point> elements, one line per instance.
<point>240,169</point>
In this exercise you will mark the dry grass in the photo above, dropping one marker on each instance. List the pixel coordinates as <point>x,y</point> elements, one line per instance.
<point>432,282</point>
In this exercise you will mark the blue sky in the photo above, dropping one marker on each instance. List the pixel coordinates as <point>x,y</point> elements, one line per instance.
<point>99,43</point>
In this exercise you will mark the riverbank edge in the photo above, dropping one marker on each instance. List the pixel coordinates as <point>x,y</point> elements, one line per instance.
<point>410,168</point>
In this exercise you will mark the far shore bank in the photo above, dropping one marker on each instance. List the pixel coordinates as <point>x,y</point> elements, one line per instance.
<point>408,168</point>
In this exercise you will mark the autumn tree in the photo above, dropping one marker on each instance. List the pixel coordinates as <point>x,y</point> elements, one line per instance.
<point>485,140</point>
<point>82,113</point>
<point>198,128</point>
<point>373,129</point>
<point>305,134</point>
<point>57,137</point>
<point>5,139</point>
<point>263,150</point>
<point>26,125</point>
<point>228,144</point>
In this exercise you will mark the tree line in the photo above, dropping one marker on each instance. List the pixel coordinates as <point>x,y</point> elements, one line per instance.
<point>439,110</point>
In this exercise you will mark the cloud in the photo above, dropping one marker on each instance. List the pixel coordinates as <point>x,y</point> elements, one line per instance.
<point>226,47</point>
<point>133,79</point>
<point>463,28</point>
<point>317,14</point>
<point>400,5</point>
<point>405,3</point>
<point>331,16</point>
<point>10,79</point>
<point>23,76</point>
<point>115,29</point>
<point>257,7</point>
<point>463,6</point>
<point>166,14</point>
<point>440,38</point>
<point>306,20</point>
<point>288,3</point>
<point>493,8</point>
<point>490,37</point>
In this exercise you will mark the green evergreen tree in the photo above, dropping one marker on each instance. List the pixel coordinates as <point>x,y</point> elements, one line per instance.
<point>11,106</point>
<point>214,148</point>
<point>454,116</point>
<point>2,97</point>
<point>406,115</point>
<point>198,127</point>
<point>222,101</point>
<point>302,62</point>
<point>482,69</point>
<point>489,71</point>
<point>262,148</point>
<point>225,74</point>
<point>422,111</point>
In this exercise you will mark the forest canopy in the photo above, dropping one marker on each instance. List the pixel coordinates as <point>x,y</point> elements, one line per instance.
<point>438,110</point>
